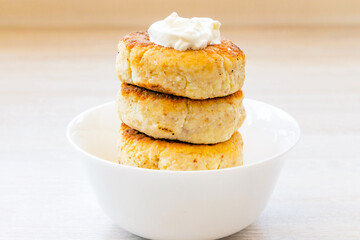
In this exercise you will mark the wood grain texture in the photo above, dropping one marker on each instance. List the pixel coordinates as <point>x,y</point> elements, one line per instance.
<point>47,77</point>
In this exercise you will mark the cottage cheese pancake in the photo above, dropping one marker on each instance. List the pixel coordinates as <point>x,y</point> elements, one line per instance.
<point>137,149</point>
<point>214,71</point>
<point>165,116</point>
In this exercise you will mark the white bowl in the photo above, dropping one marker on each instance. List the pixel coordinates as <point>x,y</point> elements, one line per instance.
<point>185,205</point>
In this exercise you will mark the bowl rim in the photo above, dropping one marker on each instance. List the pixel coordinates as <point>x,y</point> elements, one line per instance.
<point>273,157</point>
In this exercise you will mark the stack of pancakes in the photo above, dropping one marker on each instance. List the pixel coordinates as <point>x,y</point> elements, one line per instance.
<point>180,109</point>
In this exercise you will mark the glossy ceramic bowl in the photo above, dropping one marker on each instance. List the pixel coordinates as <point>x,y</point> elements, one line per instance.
<point>185,205</point>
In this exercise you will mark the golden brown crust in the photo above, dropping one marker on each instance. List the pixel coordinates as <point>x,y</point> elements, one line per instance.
<point>215,71</point>
<point>178,118</point>
<point>134,135</point>
<point>141,39</point>
<point>142,93</point>
<point>140,150</point>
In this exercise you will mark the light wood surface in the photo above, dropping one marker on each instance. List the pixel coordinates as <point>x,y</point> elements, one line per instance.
<point>47,77</point>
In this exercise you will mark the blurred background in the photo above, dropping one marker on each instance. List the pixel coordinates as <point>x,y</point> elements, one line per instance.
<point>57,59</point>
<point>141,13</point>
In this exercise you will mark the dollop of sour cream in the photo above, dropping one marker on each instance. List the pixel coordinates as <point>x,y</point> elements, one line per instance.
<point>185,33</point>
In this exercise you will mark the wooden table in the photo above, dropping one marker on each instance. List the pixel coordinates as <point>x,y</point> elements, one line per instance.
<point>49,76</point>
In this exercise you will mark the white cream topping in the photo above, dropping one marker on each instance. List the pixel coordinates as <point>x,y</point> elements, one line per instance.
<point>185,33</point>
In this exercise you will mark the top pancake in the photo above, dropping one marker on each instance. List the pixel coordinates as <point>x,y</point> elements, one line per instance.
<point>215,71</point>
